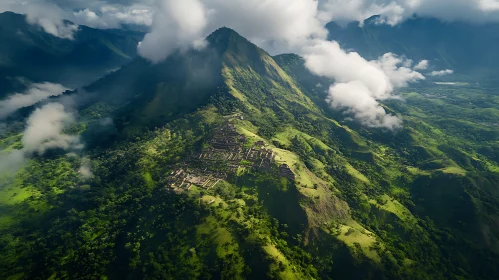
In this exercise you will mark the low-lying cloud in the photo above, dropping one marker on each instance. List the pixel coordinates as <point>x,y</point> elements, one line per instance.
<point>278,25</point>
<point>359,101</point>
<point>177,25</point>
<point>422,65</point>
<point>307,13</point>
<point>442,72</point>
<point>51,15</point>
<point>35,93</point>
<point>45,130</point>
<point>85,169</point>
<point>398,69</point>
<point>50,18</point>
<point>361,84</point>
<point>113,16</point>
<point>11,162</point>
<point>393,12</point>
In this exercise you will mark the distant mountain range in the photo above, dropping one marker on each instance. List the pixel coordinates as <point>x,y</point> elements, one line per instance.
<point>30,53</point>
<point>463,47</point>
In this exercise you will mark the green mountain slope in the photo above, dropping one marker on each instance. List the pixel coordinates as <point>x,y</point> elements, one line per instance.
<point>438,160</point>
<point>225,163</point>
<point>28,52</point>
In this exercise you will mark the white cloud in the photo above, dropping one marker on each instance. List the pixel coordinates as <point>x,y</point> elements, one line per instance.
<point>11,162</point>
<point>489,5</point>
<point>50,14</point>
<point>442,72</point>
<point>359,10</point>
<point>45,130</point>
<point>113,16</point>
<point>85,169</point>
<point>112,13</point>
<point>51,18</point>
<point>177,24</point>
<point>360,84</point>
<point>10,5</point>
<point>35,93</point>
<point>89,17</point>
<point>291,21</point>
<point>395,11</point>
<point>422,65</point>
<point>328,59</point>
<point>359,101</point>
<point>130,15</point>
<point>398,70</point>
<point>265,22</point>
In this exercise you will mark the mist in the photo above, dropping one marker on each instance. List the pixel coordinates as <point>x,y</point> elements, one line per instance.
<point>35,93</point>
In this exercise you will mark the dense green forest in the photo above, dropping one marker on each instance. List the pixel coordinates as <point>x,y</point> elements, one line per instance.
<point>420,202</point>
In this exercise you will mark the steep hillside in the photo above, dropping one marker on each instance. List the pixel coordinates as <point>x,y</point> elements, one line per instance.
<point>30,53</point>
<point>436,165</point>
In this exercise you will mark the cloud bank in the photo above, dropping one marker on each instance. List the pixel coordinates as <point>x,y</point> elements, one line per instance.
<point>361,84</point>
<point>85,169</point>
<point>177,25</point>
<point>50,15</point>
<point>34,94</point>
<point>114,13</point>
<point>45,130</point>
<point>393,12</point>
<point>442,72</point>
<point>422,65</point>
<point>113,16</point>
<point>359,101</point>
<point>10,163</point>
<point>51,18</point>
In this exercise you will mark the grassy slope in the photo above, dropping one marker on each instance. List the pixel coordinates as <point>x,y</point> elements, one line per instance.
<point>439,152</point>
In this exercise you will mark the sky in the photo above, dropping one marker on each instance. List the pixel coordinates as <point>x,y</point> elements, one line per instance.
<point>276,25</point>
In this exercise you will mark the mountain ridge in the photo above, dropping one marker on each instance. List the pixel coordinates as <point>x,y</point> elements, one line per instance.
<point>227,55</point>
<point>37,56</point>
<point>461,46</point>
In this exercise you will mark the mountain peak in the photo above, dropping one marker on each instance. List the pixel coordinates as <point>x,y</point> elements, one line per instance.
<point>223,33</point>
<point>11,19</point>
<point>235,49</point>
<point>226,38</point>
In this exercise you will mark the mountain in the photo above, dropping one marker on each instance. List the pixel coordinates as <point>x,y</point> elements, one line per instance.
<point>30,53</point>
<point>227,163</point>
<point>464,47</point>
<point>184,82</point>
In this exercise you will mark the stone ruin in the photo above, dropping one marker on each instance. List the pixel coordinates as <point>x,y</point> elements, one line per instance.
<point>285,171</point>
<point>226,152</point>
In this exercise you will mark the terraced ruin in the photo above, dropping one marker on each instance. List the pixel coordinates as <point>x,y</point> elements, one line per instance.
<point>227,152</point>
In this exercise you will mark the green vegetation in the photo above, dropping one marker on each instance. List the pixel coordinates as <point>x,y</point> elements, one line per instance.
<point>418,203</point>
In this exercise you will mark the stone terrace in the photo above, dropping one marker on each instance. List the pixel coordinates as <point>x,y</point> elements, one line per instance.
<point>226,154</point>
